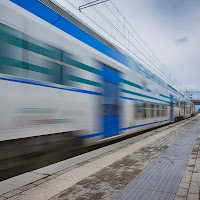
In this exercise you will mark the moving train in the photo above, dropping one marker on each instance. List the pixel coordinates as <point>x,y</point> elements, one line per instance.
<point>59,75</point>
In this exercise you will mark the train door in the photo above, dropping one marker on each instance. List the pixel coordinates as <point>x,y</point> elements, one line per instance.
<point>171,108</point>
<point>111,116</point>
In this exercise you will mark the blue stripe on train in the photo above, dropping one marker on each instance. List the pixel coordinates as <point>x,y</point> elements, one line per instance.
<point>133,99</point>
<point>32,82</point>
<point>143,125</point>
<point>122,129</point>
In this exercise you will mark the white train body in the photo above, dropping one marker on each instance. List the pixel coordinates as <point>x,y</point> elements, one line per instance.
<point>43,94</point>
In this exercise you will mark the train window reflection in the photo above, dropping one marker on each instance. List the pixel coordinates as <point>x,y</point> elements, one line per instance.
<point>152,110</point>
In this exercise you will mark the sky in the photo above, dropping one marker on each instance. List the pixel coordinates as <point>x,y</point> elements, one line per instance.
<point>171,29</point>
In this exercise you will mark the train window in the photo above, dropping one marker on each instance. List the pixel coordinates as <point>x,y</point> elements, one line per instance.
<point>15,61</point>
<point>111,103</point>
<point>176,102</point>
<point>11,60</point>
<point>187,111</point>
<point>22,40</point>
<point>163,111</point>
<point>154,78</point>
<point>157,110</point>
<point>142,70</point>
<point>71,60</point>
<point>181,104</point>
<point>144,86</point>
<point>43,70</point>
<point>148,110</point>
<point>138,68</point>
<point>11,67</point>
<point>134,65</point>
<point>8,31</point>
<point>160,81</point>
<point>152,111</point>
<point>146,73</point>
<point>140,110</point>
<point>136,110</point>
<point>150,75</point>
<point>157,80</point>
<point>67,76</point>
<point>10,52</point>
<point>144,110</point>
<point>163,84</point>
<point>38,47</point>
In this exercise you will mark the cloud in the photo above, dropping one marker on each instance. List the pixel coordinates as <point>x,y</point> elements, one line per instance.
<point>182,40</point>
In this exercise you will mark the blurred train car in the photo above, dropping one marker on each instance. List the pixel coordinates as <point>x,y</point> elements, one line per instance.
<point>64,85</point>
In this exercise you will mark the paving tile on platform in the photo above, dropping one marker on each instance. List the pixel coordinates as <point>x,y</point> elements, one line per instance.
<point>196,177</point>
<point>181,192</point>
<point>185,180</point>
<point>194,187</point>
<point>184,185</point>
<point>193,196</point>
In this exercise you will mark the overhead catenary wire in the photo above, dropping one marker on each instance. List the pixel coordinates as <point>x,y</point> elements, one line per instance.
<point>166,71</point>
<point>114,38</point>
<point>140,38</point>
<point>160,74</point>
<point>93,3</point>
<point>133,30</point>
<point>153,61</point>
<point>121,43</point>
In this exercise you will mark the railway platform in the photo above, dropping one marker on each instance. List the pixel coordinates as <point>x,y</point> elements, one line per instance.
<point>160,164</point>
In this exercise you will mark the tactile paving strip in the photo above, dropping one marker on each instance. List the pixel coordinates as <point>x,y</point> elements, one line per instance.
<point>160,179</point>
